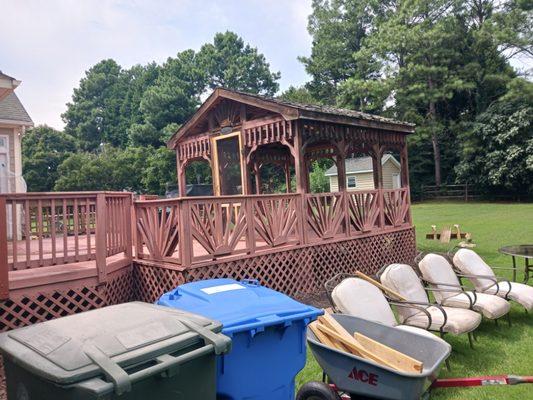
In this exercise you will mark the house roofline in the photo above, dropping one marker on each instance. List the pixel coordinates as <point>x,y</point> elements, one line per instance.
<point>12,122</point>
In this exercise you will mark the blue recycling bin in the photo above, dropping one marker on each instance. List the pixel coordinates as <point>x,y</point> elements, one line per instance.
<point>267,330</point>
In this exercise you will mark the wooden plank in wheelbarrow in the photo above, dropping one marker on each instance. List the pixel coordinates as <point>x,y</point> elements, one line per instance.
<point>324,339</point>
<point>329,326</point>
<point>402,361</point>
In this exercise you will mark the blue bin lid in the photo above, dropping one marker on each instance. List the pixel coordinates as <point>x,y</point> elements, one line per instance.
<point>240,306</point>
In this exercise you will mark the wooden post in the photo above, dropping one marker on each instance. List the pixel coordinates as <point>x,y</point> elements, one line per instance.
<point>246,178</point>
<point>341,166</point>
<point>185,242</point>
<point>288,176</point>
<point>4,272</point>
<point>341,178</point>
<point>257,176</point>
<point>101,237</point>
<point>404,175</point>
<point>301,205</point>
<point>250,229</point>
<point>466,192</point>
<point>300,166</point>
<point>180,174</point>
<point>128,215</point>
<point>138,237</point>
<point>378,181</point>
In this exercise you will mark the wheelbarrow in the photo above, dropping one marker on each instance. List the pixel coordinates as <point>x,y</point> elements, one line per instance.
<point>347,376</point>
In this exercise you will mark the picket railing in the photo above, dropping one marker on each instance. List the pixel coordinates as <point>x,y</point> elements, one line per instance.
<point>186,231</point>
<point>47,229</point>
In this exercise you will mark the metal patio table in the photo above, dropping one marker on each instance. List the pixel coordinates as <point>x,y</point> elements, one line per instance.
<point>524,251</point>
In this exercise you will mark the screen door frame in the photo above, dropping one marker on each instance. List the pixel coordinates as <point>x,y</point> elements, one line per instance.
<point>216,170</point>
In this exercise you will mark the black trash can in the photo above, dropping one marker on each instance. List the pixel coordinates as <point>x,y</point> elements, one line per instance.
<point>130,351</point>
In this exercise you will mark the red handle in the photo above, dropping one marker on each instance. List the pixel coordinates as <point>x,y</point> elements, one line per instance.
<point>482,381</point>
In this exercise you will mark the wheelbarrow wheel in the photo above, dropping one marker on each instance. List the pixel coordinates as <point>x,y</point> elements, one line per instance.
<point>317,391</point>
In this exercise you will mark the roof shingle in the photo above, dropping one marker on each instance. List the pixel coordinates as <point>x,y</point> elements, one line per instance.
<point>11,109</point>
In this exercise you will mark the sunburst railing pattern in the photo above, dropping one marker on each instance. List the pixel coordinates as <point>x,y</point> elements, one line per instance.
<point>195,230</point>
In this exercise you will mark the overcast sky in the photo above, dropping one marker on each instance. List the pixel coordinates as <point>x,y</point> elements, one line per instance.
<point>48,45</point>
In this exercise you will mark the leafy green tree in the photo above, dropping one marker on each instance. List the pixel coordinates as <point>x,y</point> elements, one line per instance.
<point>439,64</point>
<point>338,29</point>
<point>416,48</point>
<point>497,154</point>
<point>231,63</point>
<point>43,150</point>
<point>94,116</point>
<point>318,181</point>
<point>299,95</point>
<point>111,169</point>
<point>160,169</point>
<point>176,93</point>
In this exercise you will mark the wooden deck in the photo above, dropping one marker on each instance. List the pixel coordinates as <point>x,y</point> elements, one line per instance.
<point>290,242</point>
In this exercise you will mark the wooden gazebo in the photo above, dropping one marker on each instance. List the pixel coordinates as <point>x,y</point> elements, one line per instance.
<point>78,251</point>
<point>238,132</point>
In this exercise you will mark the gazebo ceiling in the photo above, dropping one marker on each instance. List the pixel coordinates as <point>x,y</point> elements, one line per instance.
<point>226,107</point>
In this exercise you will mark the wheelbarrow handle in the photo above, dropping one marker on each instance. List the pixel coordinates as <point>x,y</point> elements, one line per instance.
<point>482,381</point>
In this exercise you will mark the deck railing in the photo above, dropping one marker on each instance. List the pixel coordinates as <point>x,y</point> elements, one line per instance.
<point>187,231</point>
<point>46,229</point>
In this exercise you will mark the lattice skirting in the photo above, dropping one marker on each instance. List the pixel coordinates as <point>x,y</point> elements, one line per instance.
<point>297,272</point>
<point>41,306</point>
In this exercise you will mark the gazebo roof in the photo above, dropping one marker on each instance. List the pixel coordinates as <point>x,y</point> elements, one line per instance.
<point>290,111</point>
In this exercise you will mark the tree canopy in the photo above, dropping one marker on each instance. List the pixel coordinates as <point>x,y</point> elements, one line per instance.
<point>119,119</point>
<point>43,151</point>
<point>441,64</point>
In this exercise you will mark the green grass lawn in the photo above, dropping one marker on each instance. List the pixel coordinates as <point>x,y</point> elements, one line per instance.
<point>500,349</point>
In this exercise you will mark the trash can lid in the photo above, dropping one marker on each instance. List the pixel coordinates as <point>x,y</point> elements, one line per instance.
<point>62,350</point>
<point>240,306</point>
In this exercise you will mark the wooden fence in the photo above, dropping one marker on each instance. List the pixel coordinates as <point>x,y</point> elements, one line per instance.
<point>189,231</point>
<point>448,192</point>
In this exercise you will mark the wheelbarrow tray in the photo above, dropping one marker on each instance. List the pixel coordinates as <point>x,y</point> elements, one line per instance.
<point>355,375</point>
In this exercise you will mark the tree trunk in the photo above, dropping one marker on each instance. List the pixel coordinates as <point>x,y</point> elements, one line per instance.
<point>435,143</point>
<point>434,139</point>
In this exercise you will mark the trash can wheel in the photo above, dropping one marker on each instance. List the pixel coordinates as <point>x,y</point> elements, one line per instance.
<point>317,391</point>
